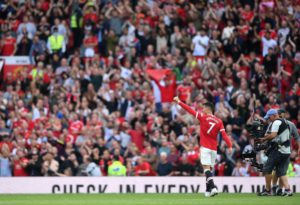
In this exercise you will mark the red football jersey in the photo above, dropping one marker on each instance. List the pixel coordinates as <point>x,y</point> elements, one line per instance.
<point>8,46</point>
<point>74,130</point>
<point>18,170</point>
<point>210,126</point>
<point>92,40</point>
<point>145,166</point>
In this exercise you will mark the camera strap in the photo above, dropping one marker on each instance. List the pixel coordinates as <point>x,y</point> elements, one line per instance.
<point>284,125</point>
<point>286,143</point>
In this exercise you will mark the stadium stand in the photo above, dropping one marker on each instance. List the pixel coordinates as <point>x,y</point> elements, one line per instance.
<point>104,74</point>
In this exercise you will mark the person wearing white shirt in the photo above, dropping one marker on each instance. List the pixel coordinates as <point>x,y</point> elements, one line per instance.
<point>125,139</point>
<point>267,42</point>
<point>125,71</point>
<point>127,40</point>
<point>23,34</point>
<point>92,168</point>
<point>283,33</point>
<point>200,45</point>
<point>30,27</point>
<point>228,31</point>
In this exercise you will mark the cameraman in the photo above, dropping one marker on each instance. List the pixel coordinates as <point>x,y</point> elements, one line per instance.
<point>277,190</point>
<point>278,138</point>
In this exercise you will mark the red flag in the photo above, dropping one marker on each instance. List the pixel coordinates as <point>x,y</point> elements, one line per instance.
<point>168,89</point>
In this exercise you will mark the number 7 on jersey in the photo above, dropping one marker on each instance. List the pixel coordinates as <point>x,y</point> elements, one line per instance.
<point>212,124</point>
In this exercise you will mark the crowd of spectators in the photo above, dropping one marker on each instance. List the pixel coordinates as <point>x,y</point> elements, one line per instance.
<point>89,104</point>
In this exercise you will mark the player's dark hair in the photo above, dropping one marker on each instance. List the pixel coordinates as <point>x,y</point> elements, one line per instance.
<point>210,106</point>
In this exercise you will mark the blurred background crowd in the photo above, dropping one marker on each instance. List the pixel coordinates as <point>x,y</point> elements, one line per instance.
<point>98,100</point>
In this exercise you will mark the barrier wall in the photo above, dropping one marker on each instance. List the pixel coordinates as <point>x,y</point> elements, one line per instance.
<point>59,185</point>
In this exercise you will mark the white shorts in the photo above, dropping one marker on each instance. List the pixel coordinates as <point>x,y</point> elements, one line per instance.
<point>208,156</point>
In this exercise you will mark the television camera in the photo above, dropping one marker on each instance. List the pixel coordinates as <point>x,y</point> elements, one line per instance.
<point>257,130</point>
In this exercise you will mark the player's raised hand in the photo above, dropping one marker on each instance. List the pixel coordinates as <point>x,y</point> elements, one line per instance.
<point>176,99</point>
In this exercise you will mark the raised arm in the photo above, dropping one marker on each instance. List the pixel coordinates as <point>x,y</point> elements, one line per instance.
<point>186,107</point>
<point>225,137</point>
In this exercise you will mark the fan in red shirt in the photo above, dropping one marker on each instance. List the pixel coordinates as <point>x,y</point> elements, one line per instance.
<point>8,45</point>
<point>14,23</point>
<point>143,168</point>
<point>90,14</point>
<point>91,41</point>
<point>268,28</point>
<point>247,14</point>
<point>184,90</point>
<point>75,127</point>
<point>137,136</point>
<point>210,126</point>
<point>167,87</point>
<point>20,164</point>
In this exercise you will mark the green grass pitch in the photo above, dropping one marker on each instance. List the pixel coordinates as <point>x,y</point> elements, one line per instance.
<point>145,199</point>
